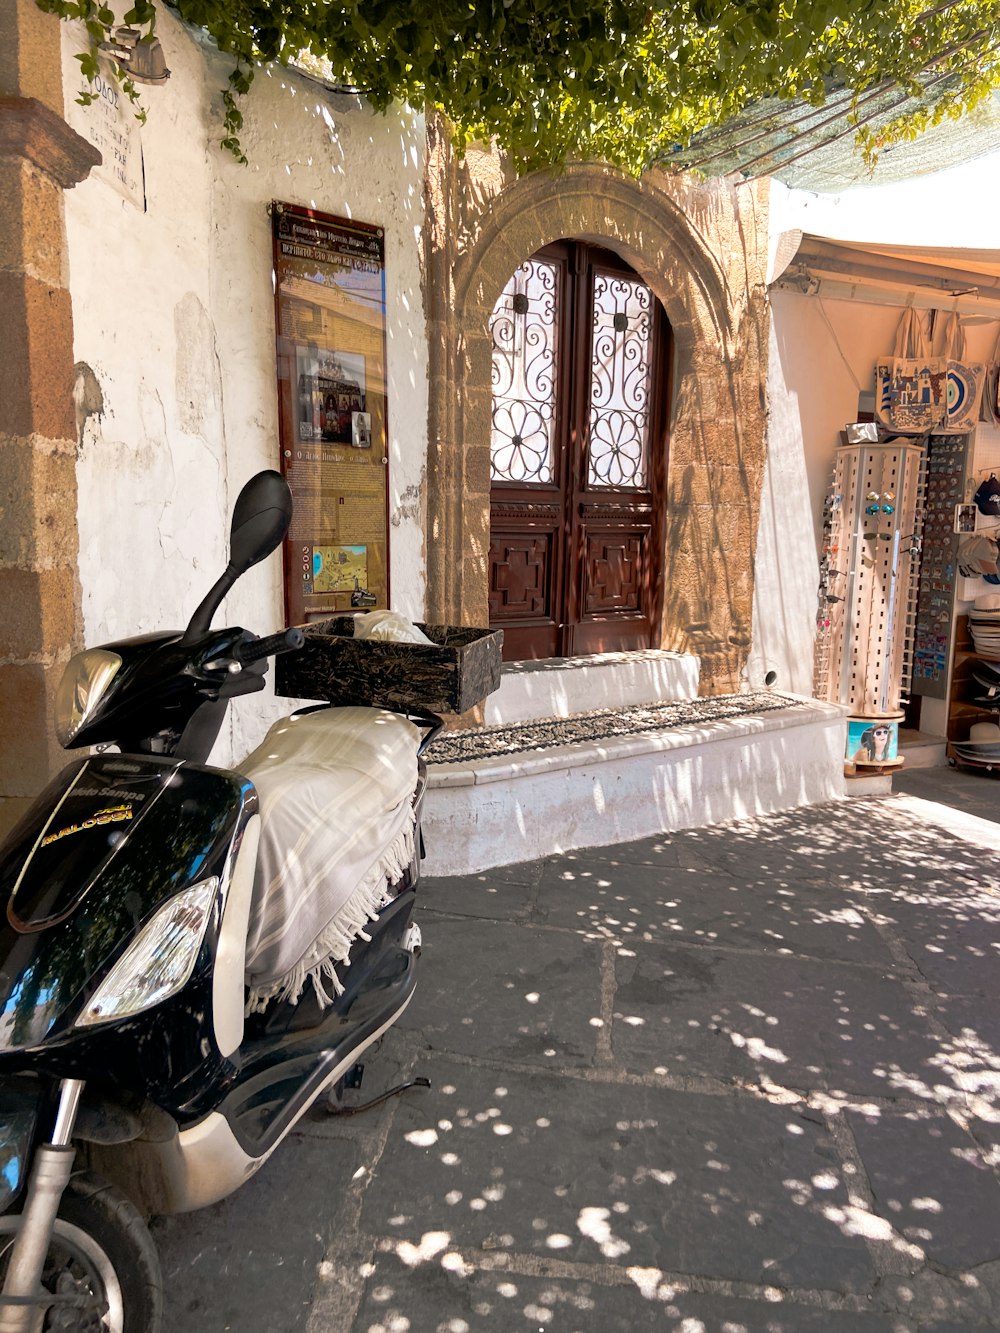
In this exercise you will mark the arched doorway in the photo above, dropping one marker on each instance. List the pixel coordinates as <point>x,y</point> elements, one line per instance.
<point>580,358</point>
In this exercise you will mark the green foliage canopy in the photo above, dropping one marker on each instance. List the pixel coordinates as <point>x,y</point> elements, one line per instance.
<point>614,79</point>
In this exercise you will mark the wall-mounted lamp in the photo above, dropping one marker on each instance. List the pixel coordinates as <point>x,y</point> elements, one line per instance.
<point>140,58</point>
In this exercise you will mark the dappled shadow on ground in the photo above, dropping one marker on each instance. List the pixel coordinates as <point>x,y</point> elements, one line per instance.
<point>731,1080</point>
<point>790,1084</point>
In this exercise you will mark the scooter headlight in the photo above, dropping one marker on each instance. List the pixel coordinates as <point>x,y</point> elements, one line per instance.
<point>83,685</point>
<point>159,962</point>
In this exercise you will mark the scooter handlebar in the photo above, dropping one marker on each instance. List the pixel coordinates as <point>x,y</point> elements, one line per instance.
<point>286,641</point>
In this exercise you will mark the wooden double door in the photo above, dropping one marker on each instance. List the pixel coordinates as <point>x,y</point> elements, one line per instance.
<point>581,351</point>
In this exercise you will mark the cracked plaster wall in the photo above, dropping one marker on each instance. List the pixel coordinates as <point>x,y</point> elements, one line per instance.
<point>174,341</point>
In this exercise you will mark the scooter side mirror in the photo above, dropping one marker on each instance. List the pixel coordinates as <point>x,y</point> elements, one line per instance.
<point>261,517</point>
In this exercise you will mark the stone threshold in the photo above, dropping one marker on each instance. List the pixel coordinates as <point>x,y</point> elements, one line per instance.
<point>536,691</point>
<point>587,661</point>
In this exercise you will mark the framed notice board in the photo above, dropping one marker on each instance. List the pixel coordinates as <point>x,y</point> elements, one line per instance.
<point>329,291</point>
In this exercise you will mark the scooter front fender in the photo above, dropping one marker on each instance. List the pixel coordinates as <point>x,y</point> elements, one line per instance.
<point>20,1109</point>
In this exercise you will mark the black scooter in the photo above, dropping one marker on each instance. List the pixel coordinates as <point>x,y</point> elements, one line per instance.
<point>133,1080</point>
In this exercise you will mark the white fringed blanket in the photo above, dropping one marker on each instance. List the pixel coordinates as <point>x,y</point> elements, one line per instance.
<point>335,791</point>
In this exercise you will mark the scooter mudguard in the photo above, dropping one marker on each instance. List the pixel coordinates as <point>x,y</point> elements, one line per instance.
<point>110,840</point>
<point>19,1112</point>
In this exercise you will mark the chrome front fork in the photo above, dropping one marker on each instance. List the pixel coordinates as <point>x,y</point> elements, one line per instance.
<point>50,1173</point>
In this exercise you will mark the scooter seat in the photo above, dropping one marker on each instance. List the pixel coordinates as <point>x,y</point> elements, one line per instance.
<point>335,790</point>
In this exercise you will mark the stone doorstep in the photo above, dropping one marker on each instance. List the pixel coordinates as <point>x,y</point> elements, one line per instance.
<point>560,687</point>
<point>930,753</point>
<point>500,811</point>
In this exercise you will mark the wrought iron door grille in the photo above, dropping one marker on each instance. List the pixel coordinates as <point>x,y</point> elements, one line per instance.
<point>523,328</point>
<point>620,382</point>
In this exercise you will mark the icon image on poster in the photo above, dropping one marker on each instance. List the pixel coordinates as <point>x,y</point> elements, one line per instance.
<point>342,390</point>
<point>339,568</point>
<point>332,396</point>
<point>361,430</point>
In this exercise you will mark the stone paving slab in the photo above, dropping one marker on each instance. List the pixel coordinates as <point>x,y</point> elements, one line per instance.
<point>666,851</point>
<point>625,903</point>
<point>503,994</point>
<point>248,1264</point>
<point>951,932</point>
<point>871,842</point>
<point>487,895</point>
<point>974,1022</point>
<point>944,1303</point>
<point>801,1023</point>
<point>961,789</point>
<point>433,1299</point>
<point>620,1061</point>
<point>605,1173</point>
<point>929,1176</point>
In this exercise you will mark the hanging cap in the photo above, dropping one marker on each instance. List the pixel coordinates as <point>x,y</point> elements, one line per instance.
<point>987,498</point>
<point>978,558</point>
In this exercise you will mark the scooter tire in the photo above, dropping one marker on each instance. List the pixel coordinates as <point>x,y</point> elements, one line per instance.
<point>101,1234</point>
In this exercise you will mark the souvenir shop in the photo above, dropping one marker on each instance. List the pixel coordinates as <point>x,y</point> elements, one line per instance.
<point>908,616</point>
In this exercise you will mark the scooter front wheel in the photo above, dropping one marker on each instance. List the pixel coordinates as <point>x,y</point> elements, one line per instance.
<point>101,1254</point>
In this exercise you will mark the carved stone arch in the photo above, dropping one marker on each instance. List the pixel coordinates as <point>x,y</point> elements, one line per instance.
<point>690,244</point>
<point>595,203</point>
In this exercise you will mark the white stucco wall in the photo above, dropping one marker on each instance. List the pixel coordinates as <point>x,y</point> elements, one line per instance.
<point>174,315</point>
<point>822,352</point>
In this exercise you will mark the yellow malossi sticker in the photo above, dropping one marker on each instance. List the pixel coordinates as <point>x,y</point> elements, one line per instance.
<point>112,814</point>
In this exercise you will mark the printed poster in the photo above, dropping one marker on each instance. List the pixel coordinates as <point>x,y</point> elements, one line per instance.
<point>331,350</point>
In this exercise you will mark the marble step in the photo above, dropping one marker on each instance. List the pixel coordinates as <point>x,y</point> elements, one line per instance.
<point>923,751</point>
<point>561,687</point>
<point>516,793</point>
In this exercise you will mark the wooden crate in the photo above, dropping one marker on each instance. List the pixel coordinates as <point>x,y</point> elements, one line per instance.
<point>452,674</point>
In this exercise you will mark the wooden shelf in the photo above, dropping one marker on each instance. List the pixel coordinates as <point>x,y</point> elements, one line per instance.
<point>963,711</point>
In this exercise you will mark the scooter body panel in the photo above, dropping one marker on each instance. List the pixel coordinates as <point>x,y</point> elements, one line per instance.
<point>210,1159</point>
<point>180,1101</point>
<point>289,1056</point>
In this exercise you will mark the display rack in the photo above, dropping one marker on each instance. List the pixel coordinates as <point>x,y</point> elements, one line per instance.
<point>872,531</point>
<point>945,489</point>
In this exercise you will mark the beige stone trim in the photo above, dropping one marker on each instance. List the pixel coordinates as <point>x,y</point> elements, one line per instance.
<point>702,250</point>
<point>40,156</point>
<point>32,133</point>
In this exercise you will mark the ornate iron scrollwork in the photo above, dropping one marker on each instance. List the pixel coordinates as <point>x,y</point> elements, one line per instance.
<point>523,328</point>
<point>620,381</point>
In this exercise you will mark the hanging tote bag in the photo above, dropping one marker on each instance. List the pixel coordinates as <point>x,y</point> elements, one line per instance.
<point>910,386</point>
<point>965,378</point>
